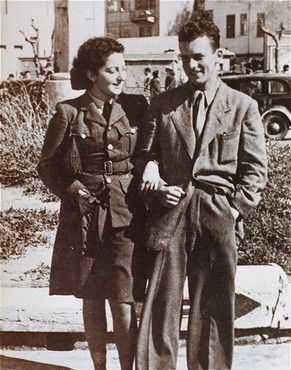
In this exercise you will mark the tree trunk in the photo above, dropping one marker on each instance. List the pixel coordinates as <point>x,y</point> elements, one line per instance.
<point>198,6</point>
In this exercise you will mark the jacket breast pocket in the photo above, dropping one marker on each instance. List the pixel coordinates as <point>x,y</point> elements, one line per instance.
<point>125,182</point>
<point>228,147</point>
<point>127,138</point>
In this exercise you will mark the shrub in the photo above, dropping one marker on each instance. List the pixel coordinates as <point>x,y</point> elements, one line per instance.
<point>267,229</point>
<point>23,124</point>
<point>22,228</point>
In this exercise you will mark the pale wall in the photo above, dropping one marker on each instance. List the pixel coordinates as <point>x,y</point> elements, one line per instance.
<point>86,19</point>
<point>18,17</point>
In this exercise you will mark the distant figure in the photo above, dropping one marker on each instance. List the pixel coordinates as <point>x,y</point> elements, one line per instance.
<point>155,86</point>
<point>10,77</point>
<point>170,81</point>
<point>42,75</point>
<point>49,75</point>
<point>146,83</point>
<point>285,68</point>
<point>27,74</point>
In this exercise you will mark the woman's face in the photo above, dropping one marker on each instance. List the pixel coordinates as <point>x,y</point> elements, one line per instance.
<point>109,80</point>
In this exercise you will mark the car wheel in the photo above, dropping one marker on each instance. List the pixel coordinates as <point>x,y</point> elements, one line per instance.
<point>276,125</point>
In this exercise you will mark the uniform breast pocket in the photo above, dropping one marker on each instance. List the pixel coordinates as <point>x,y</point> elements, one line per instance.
<point>228,147</point>
<point>124,182</point>
<point>127,138</point>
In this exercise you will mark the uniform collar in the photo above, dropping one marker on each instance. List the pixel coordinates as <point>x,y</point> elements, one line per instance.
<point>98,102</point>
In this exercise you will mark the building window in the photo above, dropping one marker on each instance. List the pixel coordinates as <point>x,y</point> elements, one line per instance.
<point>230,26</point>
<point>112,6</point>
<point>145,4</point>
<point>123,5</point>
<point>145,31</point>
<point>277,87</point>
<point>125,32</point>
<point>18,47</point>
<point>260,22</point>
<point>2,46</point>
<point>243,24</point>
<point>116,5</point>
<point>251,87</point>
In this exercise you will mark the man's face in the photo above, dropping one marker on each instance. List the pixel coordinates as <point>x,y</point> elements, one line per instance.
<point>199,60</point>
<point>109,80</point>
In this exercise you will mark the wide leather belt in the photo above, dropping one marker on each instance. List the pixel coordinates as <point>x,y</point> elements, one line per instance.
<point>209,188</point>
<point>108,167</point>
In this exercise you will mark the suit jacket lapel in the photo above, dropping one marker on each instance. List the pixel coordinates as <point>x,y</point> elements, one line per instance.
<point>215,117</point>
<point>182,119</point>
<point>182,116</point>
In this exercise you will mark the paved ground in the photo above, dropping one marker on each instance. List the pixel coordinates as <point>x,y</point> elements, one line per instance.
<point>248,357</point>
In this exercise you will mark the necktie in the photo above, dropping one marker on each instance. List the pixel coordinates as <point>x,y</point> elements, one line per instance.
<point>106,111</point>
<point>199,114</point>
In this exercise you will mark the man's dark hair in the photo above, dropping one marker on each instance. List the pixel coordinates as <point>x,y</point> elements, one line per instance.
<point>147,69</point>
<point>92,55</point>
<point>199,28</point>
<point>156,73</point>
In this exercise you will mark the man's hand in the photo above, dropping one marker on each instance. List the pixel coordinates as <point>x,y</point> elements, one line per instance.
<point>169,196</point>
<point>151,177</point>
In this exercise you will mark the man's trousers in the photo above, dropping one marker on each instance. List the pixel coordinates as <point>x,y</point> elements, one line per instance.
<point>203,247</point>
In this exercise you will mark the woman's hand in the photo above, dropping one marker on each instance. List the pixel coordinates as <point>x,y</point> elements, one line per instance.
<point>169,196</point>
<point>86,202</point>
<point>151,177</point>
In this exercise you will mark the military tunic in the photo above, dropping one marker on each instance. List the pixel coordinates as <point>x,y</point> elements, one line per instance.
<point>95,254</point>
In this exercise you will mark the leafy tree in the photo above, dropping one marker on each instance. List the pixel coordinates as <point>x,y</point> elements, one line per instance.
<point>180,18</point>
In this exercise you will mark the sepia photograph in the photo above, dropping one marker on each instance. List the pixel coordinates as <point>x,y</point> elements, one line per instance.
<point>145,185</point>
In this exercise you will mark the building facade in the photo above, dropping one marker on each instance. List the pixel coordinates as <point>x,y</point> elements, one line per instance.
<point>132,18</point>
<point>239,22</point>
<point>73,21</point>
<point>76,20</point>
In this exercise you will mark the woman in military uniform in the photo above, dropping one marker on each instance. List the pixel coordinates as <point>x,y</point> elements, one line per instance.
<point>87,160</point>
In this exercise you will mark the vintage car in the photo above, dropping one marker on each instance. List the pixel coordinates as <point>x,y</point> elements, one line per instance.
<point>272,91</point>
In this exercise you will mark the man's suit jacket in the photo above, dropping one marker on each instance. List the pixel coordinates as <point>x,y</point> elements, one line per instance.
<point>231,154</point>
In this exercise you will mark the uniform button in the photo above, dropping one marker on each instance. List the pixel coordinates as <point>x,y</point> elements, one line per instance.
<point>109,146</point>
<point>132,130</point>
<point>109,128</point>
<point>108,180</point>
<point>83,136</point>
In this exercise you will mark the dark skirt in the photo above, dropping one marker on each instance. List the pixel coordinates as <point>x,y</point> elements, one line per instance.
<point>119,268</point>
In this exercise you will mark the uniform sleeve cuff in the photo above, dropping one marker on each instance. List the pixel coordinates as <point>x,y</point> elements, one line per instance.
<point>72,190</point>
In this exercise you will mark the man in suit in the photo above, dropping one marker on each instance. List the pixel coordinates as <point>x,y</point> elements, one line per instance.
<point>209,152</point>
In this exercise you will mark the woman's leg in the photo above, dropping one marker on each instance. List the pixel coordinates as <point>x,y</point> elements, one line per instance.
<point>95,326</point>
<point>125,332</point>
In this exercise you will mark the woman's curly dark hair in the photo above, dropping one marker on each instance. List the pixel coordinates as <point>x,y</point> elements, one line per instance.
<point>198,28</point>
<point>92,56</point>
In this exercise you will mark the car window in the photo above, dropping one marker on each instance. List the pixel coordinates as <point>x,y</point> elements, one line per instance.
<point>251,87</point>
<point>276,86</point>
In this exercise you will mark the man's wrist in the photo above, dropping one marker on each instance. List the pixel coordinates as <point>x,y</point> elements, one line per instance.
<point>234,212</point>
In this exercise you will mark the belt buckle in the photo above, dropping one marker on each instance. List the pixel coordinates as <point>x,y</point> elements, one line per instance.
<point>108,167</point>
